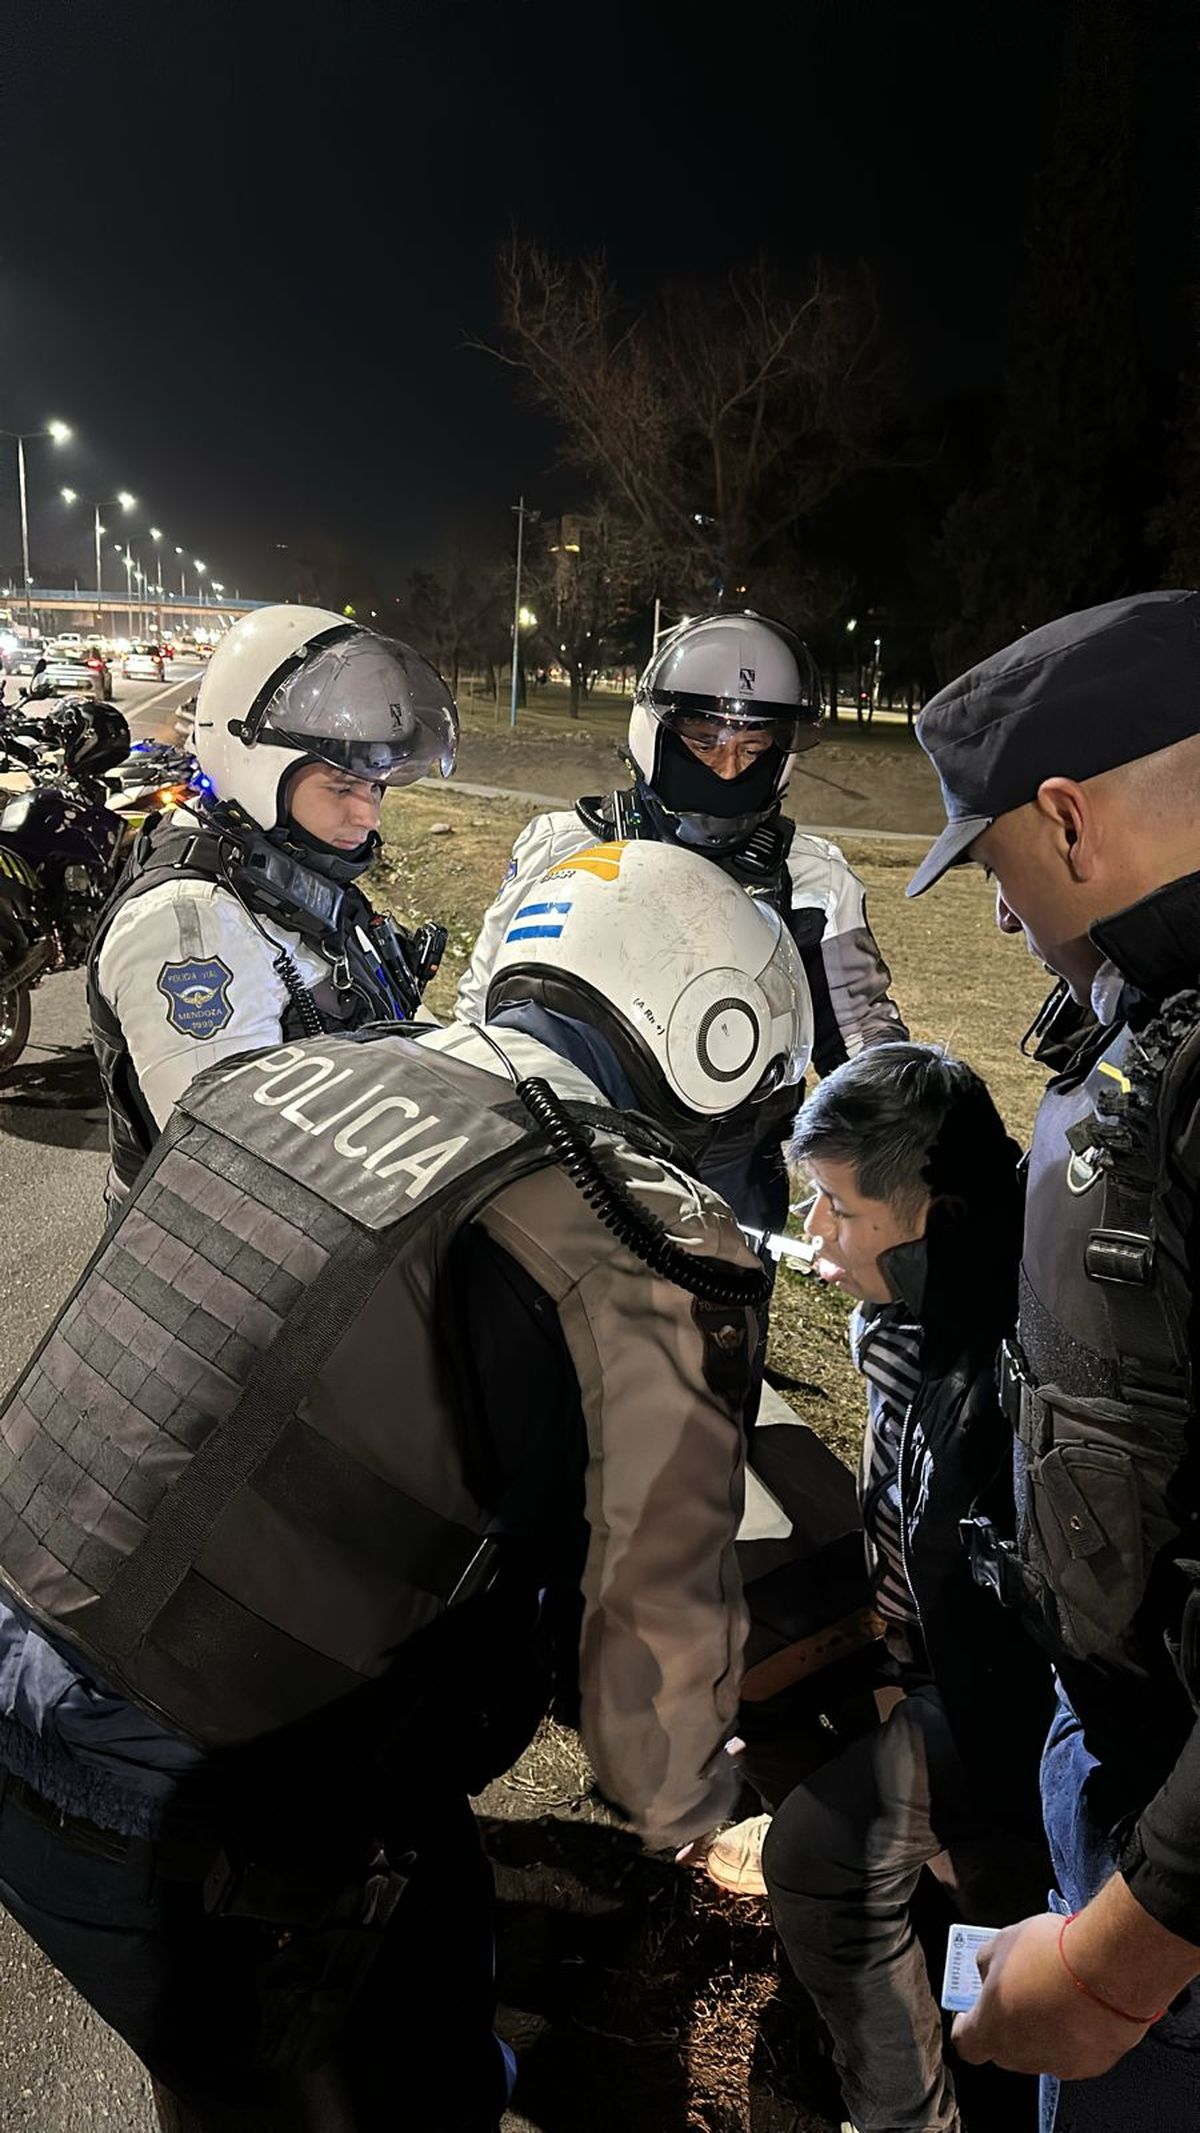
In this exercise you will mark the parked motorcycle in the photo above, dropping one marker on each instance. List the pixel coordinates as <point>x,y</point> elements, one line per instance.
<point>61,850</point>
<point>153,776</point>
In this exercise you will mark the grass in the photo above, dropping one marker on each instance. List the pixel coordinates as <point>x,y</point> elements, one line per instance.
<point>605,714</point>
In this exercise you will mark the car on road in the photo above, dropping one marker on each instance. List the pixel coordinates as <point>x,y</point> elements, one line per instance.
<point>144,662</point>
<point>68,641</point>
<point>75,671</point>
<point>22,658</point>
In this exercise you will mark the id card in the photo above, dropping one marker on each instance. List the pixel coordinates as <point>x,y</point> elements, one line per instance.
<point>962,1984</point>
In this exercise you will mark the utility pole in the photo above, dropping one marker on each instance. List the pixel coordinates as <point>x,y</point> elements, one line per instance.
<point>519,508</point>
<point>25,537</point>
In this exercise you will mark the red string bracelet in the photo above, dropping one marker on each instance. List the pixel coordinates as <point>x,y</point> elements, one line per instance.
<point>1139,2021</point>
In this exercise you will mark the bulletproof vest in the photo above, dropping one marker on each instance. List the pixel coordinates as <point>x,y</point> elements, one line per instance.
<point>238,1437</point>
<point>1099,1383</point>
<point>244,1466</point>
<point>166,853</point>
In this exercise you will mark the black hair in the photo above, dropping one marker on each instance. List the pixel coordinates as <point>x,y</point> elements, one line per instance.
<point>910,1119</point>
<point>915,1124</point>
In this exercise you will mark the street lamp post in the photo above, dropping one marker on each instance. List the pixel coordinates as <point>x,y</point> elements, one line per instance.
<point>127,559</point>
<point>127,502</point>
<point>851,626</point>
<point>156,537</point>
<point>182,574</point>
<point>199,569</point>
<point>519,508</point>
<point>60,433</point>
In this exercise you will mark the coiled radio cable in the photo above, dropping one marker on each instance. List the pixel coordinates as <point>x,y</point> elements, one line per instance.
<point>708,1279</point>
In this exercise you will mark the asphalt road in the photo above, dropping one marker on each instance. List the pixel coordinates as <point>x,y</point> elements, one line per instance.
<point>150,706</point>
<point>61,2070</point>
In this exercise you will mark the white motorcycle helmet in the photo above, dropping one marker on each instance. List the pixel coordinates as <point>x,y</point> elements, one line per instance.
<point>723,674</point>
<point>698,988</point>
<point>294,685</point>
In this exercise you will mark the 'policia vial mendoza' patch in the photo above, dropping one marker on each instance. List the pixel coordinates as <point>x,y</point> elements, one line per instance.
<point>197,996</point>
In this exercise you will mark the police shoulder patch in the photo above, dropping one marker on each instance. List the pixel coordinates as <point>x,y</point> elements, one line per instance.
<point>197,995</point>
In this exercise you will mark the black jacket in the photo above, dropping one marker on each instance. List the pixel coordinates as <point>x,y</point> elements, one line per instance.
<point>956,1461</point>
<point>995,1685</point>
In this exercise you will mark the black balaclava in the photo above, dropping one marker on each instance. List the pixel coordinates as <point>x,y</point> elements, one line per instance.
<point>688,787</point>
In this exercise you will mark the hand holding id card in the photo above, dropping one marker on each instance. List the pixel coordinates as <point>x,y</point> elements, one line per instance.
<point>962,1984</point>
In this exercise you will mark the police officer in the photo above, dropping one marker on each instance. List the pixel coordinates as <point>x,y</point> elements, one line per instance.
<point>719,717</point>
<point>1070,769</point>
<point>394,1333</point>
<point>242,922</point>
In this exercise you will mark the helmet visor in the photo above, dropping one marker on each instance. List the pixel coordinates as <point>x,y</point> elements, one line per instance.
<point>369,706</point>
<point>755,728</point>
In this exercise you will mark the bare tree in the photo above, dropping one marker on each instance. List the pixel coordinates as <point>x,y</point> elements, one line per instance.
<point>1053,524</point>
<point>1175,524</point>
<point>717,422</point>
<point>587,581</point>
<point>323,573</point>
<point>458,614</point>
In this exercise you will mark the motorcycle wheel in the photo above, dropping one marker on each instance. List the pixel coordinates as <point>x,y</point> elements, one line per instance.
<point>14,1025</point>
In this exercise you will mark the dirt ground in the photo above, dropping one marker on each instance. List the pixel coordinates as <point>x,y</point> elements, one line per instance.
<point>634,1992</point>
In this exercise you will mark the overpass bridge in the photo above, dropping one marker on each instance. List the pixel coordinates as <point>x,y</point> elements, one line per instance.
<point>55,608</point>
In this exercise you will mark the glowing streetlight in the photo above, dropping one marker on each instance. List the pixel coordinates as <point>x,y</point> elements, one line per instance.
<point>527,618</point>
<point>60,433</point>
<point>156,537</point>
<point>126,555</point>
<point>107,503</point>
<point>199,569</point>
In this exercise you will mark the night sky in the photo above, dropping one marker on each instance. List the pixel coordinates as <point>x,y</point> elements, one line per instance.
<point>242,248</point>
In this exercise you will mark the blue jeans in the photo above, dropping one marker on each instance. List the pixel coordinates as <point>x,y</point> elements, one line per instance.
<point>1155,2088</point>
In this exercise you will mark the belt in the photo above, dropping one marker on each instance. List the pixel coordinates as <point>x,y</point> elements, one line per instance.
<point>76,1830</point>
<point>176,1858</point>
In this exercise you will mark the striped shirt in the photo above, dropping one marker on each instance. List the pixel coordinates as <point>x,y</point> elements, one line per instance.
<point>886,1347</point>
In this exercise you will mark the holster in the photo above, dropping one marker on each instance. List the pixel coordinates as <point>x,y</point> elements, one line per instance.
<point>321,1933</point>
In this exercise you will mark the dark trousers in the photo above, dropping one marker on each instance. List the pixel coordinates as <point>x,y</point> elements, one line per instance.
<point>412,2053</point>
<point>842,1860</point>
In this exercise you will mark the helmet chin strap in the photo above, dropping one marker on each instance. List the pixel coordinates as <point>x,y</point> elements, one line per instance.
<point>700,832</point>
<point>327,858</point>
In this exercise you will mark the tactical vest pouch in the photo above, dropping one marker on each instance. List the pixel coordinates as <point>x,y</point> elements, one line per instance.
<point>1084,1540</point>
<point>1185,1650</point>
<point>1083,1520</point>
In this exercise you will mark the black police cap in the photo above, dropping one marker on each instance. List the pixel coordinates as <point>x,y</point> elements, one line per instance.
<point>1081,696</point>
